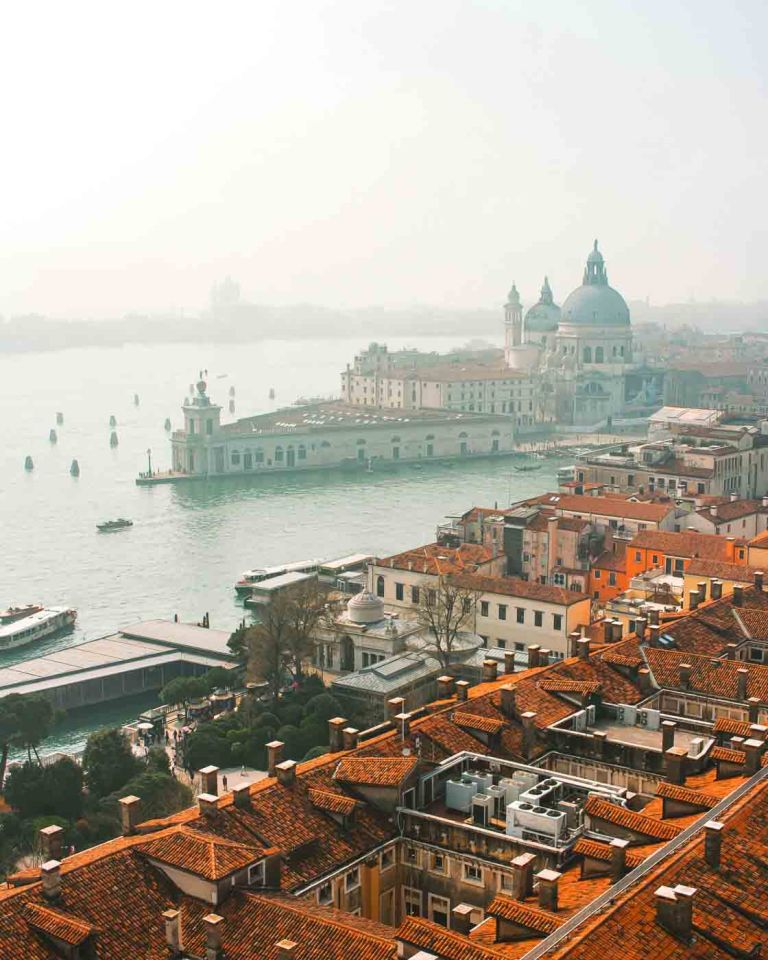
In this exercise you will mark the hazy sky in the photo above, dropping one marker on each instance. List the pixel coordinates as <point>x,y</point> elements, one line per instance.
<point>368,152</point>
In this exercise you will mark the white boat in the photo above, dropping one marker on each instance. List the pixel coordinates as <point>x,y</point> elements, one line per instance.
<point>250,578</point>
<point>22,625</point>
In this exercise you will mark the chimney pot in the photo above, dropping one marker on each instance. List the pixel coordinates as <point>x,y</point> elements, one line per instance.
<point>693,599</point>
<point>50,874</point>
<point>462,690</point>
<point>209,780</point>
<point>50,842</point>
<point>522,875</point>
<point>668,728</point>
<point>402,724</point>
<point>529,733</point>
<point>446,687</point>
<point>730,651</point>
<point>208,803</point>
<point>617,630</point>
<point>759,580</point>
<point>702,588</point>
<point>742,678</point>
<point>172,931</point>
<point>533,655</point>
<point>753,749</point>
<point>618,858</point>
<point>675,763</point>
<point>754,709</point>
<point>130,809</point>
<point>286,949</point>
<point>213,949</point>
<point>286,772</point>
<point>242,796</point>
<point>640,627</point>
<point>548,886</point>
<point>350,735</point>
<point>508,695</point>
<point>509,661</point>
<point>738,595</point>
<point>674,910</point>
<point>490,668</point>
<point>461,918</point>
<point>684,675</point>
<point>713,842</point>
<point>335,735</point>
<point>573,643</point>
<point>274,755</point>
<point>716,588</point>
<point>607,630</point>
<point>584,645</point>
<point>644,680</point>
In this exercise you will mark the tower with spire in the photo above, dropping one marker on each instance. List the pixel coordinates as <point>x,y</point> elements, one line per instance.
<point>513,319</point>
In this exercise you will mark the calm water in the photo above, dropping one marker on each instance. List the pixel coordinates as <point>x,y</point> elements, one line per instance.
<point>189,542</point>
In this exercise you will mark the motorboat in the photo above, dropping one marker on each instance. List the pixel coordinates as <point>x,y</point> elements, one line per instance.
<point>23,625</point>
<point>109,525</point>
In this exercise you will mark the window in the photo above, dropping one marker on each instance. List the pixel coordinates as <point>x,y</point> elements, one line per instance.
<point>538,618</point>
<point>519,647</point>
<point>597,574</point>
<point>278,454</point>
<point>414,594</point>
<point>411,902</point>
<point>379,586</point>
<point>209,427</point>
<point>256,874</point>
<point>559,579</point>
<point>438,863</point>
<point>612,579</point>
<point>655,558</point>
<point>520,614</point>
<point>399,591</point>
<point>501,643</point>
<point>439,909</point>
<point>412,856</point>
<point>557,621</point>
<point>325,893</point>
<point>502,611</point>
<point>638,556</point>
<point>302,452</point>
<point>484,608</point>
<point>472,873</point>
<point>387,859</point>
<point>352,880</point>
<point>258,456</point>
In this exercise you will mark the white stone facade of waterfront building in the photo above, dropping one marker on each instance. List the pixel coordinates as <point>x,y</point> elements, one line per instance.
<point>324,435</point>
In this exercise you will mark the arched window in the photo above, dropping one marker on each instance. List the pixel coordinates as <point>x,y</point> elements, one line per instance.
<point>379,586</point>
<point>622,351</point>
<point>258,455</point>
<point>462,435</point>
<point>302,452</point>
<point>587,354</point>
<point>235,458</point>
<point>598,354</point>
<point>278,454</point>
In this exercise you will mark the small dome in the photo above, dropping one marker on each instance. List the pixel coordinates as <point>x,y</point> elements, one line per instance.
<point>544,316</point>
<point>364,607</point>
<point>513,298</point>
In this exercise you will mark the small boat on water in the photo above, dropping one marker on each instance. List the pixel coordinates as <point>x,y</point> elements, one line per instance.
<point>109,525</point>
<point>59,418</point>
<point>251,578</point>
<point>29,463</point>
<point>52,436</point>
<point>22,625</point>
<point>529,464</point>
<point>167,423</point>
<point>135,399</point>
<point>75,469</point>
<point>271,393</point>
<point>113,421</point>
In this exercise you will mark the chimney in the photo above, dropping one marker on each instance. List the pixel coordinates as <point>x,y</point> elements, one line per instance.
<point>209,780</point>
<point>213,949</point>
<point>675,763</point>
<point>172,932</point>
<point>573,643</point>
<point>716,589</point>
<point>50,874</point>
<point>286,772</point>
<point>607,630</point>
<point>490,668</point>
<point>548,882</point>
<point>693,599</point>
<point>533,655</point>
<point>402,724</point>
<point>335,735</point>
<point>653,634</point>
<point>600,740</point>
<point>242,796</point>
<point>668,728</point>
<point>759,580</point>
<point>462,690</point>
<point>130,811</point>
<point>655,616</point>
<point>674,910</point>
<point>394,706</point>
<point>50,842</point>
<point>509,661</point>
<point>584,645</point>
<point>713,510</point>
<point>644,680</point>
<point>753,749</point>
<point>529,733</point>
<point>617,630</point>
<point>757,731</point>
<point>522,875</point>
<point>446,687</point>
<point>508,694</point>
<point>640,627</point>
<point>754,709</point>
<point>286,949</point>
<point>349,737</point>
<point>713,842</point>
<point>274,755</point>
<point>684,675</point>
<point>738,595</point>
<point>702,588</point>
<point>461,918</point>
<point>207,803</point>
<point>730,651</point>
<point>544,654</point>
<point>742,677</point>
<point>618,858</point>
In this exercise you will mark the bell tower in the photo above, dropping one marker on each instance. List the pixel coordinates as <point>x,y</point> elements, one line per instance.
<point>513,320</point>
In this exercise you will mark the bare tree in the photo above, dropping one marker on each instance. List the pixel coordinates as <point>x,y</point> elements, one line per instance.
<point>305,610</point>
<point>446,608</point>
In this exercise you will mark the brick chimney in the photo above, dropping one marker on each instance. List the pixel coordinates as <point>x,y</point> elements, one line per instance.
<point>529,733</point>
<point>544,654</point>
<point>548,884</point>
<point>490,668</point>
<point>335,736</point>
<point>209,780</point>
<point>644,680</point>
<point>730,651</point>
<point>462,690</point>
<point>702,588</point>
<point>693,599</point>
<point>753,750</point>
<point>213,950</point>
<point>50,842</point>
<point>617,630</point>
<point>461,918</point>
<point>207,803</point>
<point>50,874</point>
<point>713,842</point>
<point>759,580</point>
<point>286,949</point>
<point>573,643</point>
<point>754,709</point>
<point>653,634</point>
<point>738,595</point>
<point>668,728</point>
<point>394,706</point>
<point>509,661</point>
<point>349,737</point>
<point>508,695</point>
<point>172,932</point>
<point>641,625</point>
<point>674,910</point>
<point>607,630</point>
<point>716,588</point>
<point>742,678</point>
<point>618,858</point>
<point>241,796</point>
<point>130,812</point>
<point>274,755</point>
<point>522,875</point>
<point>286,772</point>
<point>654,615</point>
<point>533,655</point>
<point>584,645</point>
<point>675,763</point>
<point>446,687</point>
<point>684,675</point>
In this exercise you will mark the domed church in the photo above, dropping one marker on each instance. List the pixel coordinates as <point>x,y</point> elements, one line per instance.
<point>582,351</point>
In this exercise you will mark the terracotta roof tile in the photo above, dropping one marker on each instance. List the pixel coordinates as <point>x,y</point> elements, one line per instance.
<point>444,943</point>
<point>57,924</point>
<point>332,802</point>
<point>533,917</point>
<point>629,819</point>
<point>734,728</point>
<point>684,544</point>
<point>719,677</point>
<point>514,587</point>
<point>207,856</point>
<point>564,685</point>
<point>471,722</point>
<point>603,506</point>
<point>721,570</point>
<point>438,560</point>
<point>374,771</point>
<point>737,757</point>
<point>602,851</point>
<point>672,791</point>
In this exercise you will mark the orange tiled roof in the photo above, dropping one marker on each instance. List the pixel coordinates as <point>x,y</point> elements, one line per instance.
<point>444,943</point>
<point>602,851</point>
<point>514,587</point>
<point>57,924</point>
<point>603,506</point>
<point>734,728</point>
<point>737,757</point>
<point>620,659</point>
<point>471,722</point>
<point>331,802</point>
<point>438,560</point>
<point>375,771</point>
<point>563,685</point>
<point>721,570</point>
<point>608,560</point>
<point>672,791</point>
<point>630,819</point>
<point>533,917</point>
<point>710,546</point>
<point>205,855</point>
<point>719,677</point>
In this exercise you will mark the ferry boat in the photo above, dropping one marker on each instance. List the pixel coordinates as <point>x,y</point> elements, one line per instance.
<point>22,625</point>
<point>250,578</point>
<point>110,525</point>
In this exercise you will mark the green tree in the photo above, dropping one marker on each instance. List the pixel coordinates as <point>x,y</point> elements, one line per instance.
<point>181,690</point>
<point>161,795</point>
<point>63,781</point>
<point>108,762</point>
<point>208,745</point>
<point>158,761</point>
<point>25,789</point>
<point>9,728</point>
<point>324,707</point>
<point>34,719</point>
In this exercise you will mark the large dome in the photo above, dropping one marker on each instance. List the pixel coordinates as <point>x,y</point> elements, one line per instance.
<point>544,316</point>
<point>594,303</point>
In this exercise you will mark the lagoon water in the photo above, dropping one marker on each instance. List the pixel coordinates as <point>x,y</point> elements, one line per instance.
<point>189,541</point>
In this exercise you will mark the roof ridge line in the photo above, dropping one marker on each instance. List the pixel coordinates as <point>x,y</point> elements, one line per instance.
<point>285,902</point>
